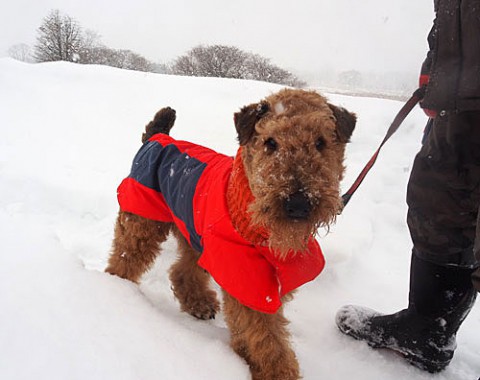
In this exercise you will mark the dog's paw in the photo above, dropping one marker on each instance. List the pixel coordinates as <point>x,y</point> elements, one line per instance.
<point>205,312</point>
<point>200,304</point>
<point>204,307</point>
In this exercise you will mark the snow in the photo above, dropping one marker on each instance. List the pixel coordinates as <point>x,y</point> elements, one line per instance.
<point>68,136</point>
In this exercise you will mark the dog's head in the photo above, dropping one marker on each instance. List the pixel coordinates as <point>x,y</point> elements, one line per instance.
<point>293,151</point>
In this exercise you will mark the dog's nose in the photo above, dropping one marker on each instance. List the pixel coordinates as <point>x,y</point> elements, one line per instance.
<point>297,206</point>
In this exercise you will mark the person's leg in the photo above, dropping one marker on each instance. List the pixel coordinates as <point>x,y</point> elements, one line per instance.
<point>476,274</point>
<point>443,199</point>
<point>476,279</point>
<point>443,193</point>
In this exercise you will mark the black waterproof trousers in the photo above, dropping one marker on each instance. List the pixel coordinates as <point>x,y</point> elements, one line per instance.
<point>444,192</point>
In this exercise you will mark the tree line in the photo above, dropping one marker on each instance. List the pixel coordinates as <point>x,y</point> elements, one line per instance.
<point>61,38</point>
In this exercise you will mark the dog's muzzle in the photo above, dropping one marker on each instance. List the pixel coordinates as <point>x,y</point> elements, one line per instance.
<point>297,206</point>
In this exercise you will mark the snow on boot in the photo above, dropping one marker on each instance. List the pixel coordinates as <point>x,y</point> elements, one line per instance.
<point>419,340</point>
<point>424,333</point>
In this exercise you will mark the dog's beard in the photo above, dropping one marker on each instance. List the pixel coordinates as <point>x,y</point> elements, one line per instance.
<point>290,237</point>
<point>287,235</point>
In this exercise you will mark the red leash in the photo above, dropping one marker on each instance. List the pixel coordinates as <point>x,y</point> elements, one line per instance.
<point>402,114</point>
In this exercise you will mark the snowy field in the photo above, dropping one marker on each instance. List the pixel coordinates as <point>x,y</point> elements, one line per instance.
<point>68,134</point>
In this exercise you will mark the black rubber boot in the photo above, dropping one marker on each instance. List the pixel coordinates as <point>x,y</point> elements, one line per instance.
<point>424,333</point>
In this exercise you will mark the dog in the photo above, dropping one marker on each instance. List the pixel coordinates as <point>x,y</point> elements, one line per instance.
<point>248,221</point>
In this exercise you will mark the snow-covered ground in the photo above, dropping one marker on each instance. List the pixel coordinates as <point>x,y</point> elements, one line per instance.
<point>68,134</point>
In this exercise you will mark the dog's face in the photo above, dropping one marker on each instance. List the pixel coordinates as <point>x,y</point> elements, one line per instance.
<point>293,151</point>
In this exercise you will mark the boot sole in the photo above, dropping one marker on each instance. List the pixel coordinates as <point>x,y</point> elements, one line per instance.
<point>415,360</point>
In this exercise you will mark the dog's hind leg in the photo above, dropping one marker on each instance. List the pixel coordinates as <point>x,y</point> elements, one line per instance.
<point>262,340</point>
<point>135,245</point>
<point>161,123</point>
<point>190,283</point>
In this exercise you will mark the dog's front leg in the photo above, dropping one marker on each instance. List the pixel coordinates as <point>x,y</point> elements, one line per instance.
<point>136,245</point>
<point>262,340</point>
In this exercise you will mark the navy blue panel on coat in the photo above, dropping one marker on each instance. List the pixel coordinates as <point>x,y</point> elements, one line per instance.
<point>174,174</point>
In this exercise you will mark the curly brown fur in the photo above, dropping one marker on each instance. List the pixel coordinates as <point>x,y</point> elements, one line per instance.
<point>136,244</point>
<point>262,340</point>
<point>296,147</point>
<point>292,151</point>
<point>190,283</point>
<point>161,123</point>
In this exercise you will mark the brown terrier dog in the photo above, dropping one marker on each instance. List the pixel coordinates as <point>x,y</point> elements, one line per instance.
<point>249,222</point>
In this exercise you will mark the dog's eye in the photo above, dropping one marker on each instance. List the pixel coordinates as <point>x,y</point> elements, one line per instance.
<point>320,144</point>
<point>270,144</point>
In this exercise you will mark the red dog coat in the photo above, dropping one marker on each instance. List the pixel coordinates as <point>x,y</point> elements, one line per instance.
<point>180,182</point>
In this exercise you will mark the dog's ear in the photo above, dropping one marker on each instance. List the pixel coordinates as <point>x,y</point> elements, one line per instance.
<point>246,119</point>
<point>345,122</point>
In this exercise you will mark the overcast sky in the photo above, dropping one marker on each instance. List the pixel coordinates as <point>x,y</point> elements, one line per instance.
<point>301,35</point>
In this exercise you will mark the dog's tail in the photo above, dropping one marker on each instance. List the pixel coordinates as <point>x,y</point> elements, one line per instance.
<point>161,123</point>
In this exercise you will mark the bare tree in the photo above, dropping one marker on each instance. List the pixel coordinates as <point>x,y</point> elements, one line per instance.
<point>211,61</point>
<point>220,61</point>
<point>134,61</point>
<point>123,59</point>
<point>90,41</point>
<point>230,62</point>
<point>185,65</point>
<point>21,52</point>
<point>59,39</point>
